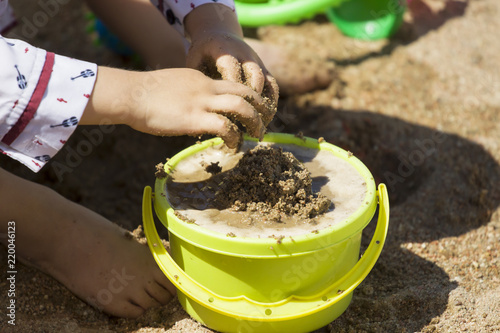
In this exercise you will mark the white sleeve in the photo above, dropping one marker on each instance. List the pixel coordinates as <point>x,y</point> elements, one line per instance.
<point>176,10</point>
<point>42,98</point>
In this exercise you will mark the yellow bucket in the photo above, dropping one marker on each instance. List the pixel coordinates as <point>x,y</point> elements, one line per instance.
<point>241,284</point>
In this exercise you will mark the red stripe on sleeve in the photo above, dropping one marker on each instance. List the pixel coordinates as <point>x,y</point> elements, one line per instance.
<point>34,102</point>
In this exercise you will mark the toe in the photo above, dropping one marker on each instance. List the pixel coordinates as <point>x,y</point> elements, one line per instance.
<point>161,294</point>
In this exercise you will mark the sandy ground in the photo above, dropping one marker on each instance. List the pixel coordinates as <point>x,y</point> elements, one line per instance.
<point>420,110</point>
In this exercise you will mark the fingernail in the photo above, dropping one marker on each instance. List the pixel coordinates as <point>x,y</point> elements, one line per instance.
<point>262,132</point>
<point>239,143</point>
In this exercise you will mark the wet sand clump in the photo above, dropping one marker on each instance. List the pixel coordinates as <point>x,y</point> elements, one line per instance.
<point>270,182</point>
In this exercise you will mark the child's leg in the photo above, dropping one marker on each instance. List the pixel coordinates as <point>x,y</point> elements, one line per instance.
<point>90,255</point>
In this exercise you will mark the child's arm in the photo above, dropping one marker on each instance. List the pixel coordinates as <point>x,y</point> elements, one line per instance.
<point>40,110</point>
<point>42,97</point>
<point>212,28</point>
<point>142,26</point>
<point>174,102</point>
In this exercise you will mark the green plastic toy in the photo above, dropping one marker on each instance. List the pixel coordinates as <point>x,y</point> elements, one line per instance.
<point>368,19</point>
<point>255,13</point>
<point>362,19</point>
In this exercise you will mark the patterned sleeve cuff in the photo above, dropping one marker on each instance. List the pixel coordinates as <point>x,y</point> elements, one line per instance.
<point>176,10</point>
<point>49,116</point>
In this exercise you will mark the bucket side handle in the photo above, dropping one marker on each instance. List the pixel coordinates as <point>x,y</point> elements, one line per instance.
<point>292,307</point>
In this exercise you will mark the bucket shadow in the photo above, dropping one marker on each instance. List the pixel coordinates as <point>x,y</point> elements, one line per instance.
<point>440,185</point>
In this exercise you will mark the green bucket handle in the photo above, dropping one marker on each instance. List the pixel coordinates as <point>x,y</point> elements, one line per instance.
<point>292,307</point>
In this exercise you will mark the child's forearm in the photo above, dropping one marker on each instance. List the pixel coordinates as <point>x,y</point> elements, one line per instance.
<point>207,18</point>
<point>110,101</point>
<point>142,27</point>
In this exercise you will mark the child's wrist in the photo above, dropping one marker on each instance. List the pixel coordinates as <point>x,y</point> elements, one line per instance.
<point>208,19</point>
<point>112,98</point>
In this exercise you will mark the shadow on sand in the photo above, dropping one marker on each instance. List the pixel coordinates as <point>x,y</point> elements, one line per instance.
<point>440,185</point>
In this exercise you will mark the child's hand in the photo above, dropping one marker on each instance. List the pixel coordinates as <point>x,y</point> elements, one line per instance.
<point>236,62</point>
<point>186,102</point>
<point>175,102</point>
<point>217,44</point>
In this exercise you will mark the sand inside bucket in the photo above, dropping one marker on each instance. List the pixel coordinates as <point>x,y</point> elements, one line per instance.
<point>191,190</point>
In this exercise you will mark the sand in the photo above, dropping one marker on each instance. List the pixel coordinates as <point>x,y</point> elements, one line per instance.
<point>198,197</point>
<point>421,111</point>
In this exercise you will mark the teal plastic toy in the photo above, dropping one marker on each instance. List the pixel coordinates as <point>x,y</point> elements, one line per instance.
<point>107,38</point>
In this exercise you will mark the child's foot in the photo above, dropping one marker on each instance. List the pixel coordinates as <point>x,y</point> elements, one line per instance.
<point>295,73</point>
<point>95,259</point>
<point>107,268</point>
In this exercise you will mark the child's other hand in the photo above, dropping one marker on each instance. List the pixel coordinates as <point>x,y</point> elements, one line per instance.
<point>175,102</point>
<point>217,44</point>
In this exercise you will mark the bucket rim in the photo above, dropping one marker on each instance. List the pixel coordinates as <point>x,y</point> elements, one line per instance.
<point>251,247</point>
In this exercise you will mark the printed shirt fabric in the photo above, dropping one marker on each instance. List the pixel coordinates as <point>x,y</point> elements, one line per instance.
<point>175,10</point>
<point>43,95</point>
